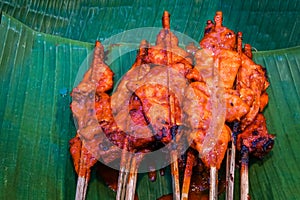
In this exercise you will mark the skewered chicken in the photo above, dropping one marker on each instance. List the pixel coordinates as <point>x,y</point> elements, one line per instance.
<point>216,65</point>
<point>153,90</point>
<point>164,91</point>
<point>98,79</point>
<point>222,71</point>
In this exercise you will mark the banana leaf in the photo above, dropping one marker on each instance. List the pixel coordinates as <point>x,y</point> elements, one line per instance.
<point>38,70</point>
<point>266,24</point>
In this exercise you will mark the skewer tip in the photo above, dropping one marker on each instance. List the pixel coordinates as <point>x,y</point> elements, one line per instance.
<point>166,20</point>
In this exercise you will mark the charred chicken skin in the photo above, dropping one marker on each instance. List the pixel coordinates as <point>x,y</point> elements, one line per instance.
<point>255,138</point>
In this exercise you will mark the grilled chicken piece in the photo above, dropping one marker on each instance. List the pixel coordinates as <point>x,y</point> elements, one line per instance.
<point>82,168</point>
<point>218,36</point>
<point>161,109</point>
<point>227,67</point>
<point>129,123</point>
<point>236,108</point>
<point>215,155</point>
<point>121,97</point>
<point>255,138</point>
<point>199,115</point>
<point>165,59</point>
<point>252,79</point>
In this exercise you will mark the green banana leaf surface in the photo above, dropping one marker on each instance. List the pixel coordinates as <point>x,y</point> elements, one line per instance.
<point>44,44</point>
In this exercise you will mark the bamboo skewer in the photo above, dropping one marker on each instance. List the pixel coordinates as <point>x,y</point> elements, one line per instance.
<point>120,184</point>
<point>175,177</point>
<point>245,152</point>
<point>231,152</point>
<point>81,188</point>
<point>132,179</point>
<point>131,183</point>
<point>213,184</point>
<point>244,175</point>
<point>127,179</point>
<point>123,174</point>
<point>122,181</point>
<point>230,165</point>
<point>82,181</point>
<point>174,164</point>
<point>230,170</point>
<point>128,175</point>
<point>187,176</point>
<point>228,160</point>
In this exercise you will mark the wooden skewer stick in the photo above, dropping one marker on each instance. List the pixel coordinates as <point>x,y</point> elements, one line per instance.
<point>81,188</point>
<point>121,183</point>
<point>85,163</point>
<point>82,181</point>
<point>230,170</point>
<point>132,179</point>
<point>135,179</point>
<point>230,164</point>
<point>174,164</point>
<point>128,177</point>
<point>244,174</point>
<point>123,174</point>
<point>131,184</point>
<point>175,177</point>
<point>84,172</point>
<point>187,176</point>
<point>213,184</point>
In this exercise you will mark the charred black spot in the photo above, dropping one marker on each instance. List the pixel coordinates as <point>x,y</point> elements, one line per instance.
<point>174,130</point>
<point>256,141</point>
<point>244,154</point>
<point>229,34</point>
<point>268,145</point>
<point>207,30</point>
<point>255,132</point>
<point>164,132</point>
<point>235,127</point>
<point>265,72</point>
